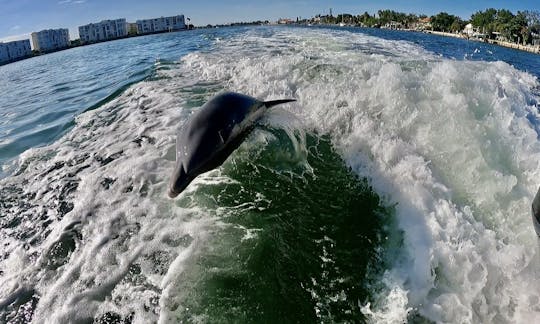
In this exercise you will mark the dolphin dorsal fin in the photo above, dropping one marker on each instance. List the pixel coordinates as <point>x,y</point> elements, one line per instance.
<point>273,103</point>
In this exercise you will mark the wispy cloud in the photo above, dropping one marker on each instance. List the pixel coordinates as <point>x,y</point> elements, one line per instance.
<point>15,38</point>
<point>14,28</point>
<point>63,2</point>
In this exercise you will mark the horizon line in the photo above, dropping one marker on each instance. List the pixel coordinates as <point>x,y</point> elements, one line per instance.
<point>27,35</point>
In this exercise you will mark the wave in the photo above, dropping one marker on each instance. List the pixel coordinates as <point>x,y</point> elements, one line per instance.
<point>431,164</point>
<point>450,142</point>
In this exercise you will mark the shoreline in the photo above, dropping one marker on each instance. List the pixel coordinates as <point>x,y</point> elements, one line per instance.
<point>89,44</point>
<point>534,49</point>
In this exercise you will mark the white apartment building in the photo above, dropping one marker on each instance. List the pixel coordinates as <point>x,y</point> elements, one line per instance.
<point>163,24</point>
<point>102,31</point>
<point>4,56</point>
<point>13,51</point>
<point>50,40</point>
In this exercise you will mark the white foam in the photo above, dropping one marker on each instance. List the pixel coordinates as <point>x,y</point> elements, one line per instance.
<point>448,141</point>
<point>130,223</point>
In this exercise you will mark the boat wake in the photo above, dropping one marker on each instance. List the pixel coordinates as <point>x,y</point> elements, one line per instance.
<point>397,188</point>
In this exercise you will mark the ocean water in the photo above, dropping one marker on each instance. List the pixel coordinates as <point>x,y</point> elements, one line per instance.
<point>396,189</point>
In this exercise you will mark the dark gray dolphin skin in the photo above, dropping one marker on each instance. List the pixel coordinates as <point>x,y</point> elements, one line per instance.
<point>536,213</point>
<point>212,133</point>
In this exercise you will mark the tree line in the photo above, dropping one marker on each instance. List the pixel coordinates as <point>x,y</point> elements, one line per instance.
<point>522,27</point>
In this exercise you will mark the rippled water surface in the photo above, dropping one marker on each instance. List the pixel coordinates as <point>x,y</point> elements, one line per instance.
<point>396,189</point>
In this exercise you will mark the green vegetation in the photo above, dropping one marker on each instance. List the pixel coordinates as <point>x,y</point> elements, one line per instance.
<point>389,16</point>
<point>503,22</point>
<point>446,22</point>
<point>522,27</point>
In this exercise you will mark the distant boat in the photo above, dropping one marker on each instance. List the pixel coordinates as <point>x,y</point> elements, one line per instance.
<point>342,24</point>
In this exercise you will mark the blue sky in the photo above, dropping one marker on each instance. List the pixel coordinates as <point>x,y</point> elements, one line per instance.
<point>18,18</point>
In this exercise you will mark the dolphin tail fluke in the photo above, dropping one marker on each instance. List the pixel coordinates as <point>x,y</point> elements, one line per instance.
<point>536,213</point>
<point>273,103</point>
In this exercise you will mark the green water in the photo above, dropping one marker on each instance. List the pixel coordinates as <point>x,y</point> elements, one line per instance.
<point>283,231</point>
<point>310,256</point>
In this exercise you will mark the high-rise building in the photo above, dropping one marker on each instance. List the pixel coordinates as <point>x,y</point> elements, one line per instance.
<point>104,30</point>
<point>13,51</point>
<point>162,24</point>
<point>50,40</point>
<point>4,55</point>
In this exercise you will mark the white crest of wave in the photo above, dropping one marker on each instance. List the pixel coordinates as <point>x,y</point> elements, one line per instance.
<point>451,142</point>
<point>130,234</point>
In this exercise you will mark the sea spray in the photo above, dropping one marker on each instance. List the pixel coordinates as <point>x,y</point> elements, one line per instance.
<point>449,141</point>
<point>400,190</point>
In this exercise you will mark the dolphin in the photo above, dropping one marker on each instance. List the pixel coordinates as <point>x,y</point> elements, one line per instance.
<point>536,213</point>
<point>212,133</point>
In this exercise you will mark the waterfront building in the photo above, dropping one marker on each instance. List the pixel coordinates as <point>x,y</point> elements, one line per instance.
<point>4,56</point>
<point>421,24</point>
<point>103,31</point>
<point>160,25</point>
<point>284,21</point>
<point>469,30</point>
<point>50,40</point>
<point>393,25</point>
<point>13,51</point>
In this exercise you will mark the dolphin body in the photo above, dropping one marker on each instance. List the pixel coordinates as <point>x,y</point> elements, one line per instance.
<point>213,133</point>
<point>536,213</point>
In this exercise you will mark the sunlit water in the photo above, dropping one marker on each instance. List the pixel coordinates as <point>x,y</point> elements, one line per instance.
<point>397,188</point>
